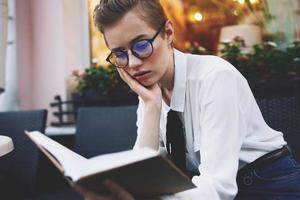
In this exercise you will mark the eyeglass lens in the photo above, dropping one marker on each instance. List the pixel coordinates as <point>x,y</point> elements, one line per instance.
<point>119,58</point>
<point>141,49</point>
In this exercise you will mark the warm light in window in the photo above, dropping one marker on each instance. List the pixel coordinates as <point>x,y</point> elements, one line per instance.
<point>243,1</point>
<point>198,16</point>
<point>195,15</point>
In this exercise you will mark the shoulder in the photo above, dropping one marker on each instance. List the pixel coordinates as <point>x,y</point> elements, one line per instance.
<point>201,67</point>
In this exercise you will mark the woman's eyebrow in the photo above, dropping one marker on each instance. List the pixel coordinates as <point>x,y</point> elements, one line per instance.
<point>138,38</point>
<point>118,49</point>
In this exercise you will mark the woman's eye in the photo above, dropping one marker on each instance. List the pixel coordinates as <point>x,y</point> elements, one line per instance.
<point>120,55</point>
<point>141,45</point>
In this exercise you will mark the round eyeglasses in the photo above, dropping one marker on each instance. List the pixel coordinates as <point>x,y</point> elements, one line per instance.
<point>141,49</point>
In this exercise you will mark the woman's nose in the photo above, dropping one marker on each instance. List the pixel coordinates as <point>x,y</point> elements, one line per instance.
<point>133,61</point>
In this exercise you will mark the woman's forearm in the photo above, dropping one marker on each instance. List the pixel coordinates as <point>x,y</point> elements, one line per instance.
<point>149,135</point>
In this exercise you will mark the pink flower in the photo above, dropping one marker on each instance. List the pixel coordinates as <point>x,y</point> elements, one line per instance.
<point>201,48</point>
<point>82,75</point>
<point>242,58</point>
<point>272,44</point>
<point>196,44</point>
<point>76,72</point>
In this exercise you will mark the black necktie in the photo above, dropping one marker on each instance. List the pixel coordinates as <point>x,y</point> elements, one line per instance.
<point>175,140</point>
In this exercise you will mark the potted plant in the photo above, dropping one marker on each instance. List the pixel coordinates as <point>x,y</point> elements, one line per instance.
<point>265,64</point>
<point>265,60</point>
<point>293,52</point>
<point>196,48</point>
<point>101,86</point>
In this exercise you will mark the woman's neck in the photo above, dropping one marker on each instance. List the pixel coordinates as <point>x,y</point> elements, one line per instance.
<point>166,95</point>
<point>167,82</point>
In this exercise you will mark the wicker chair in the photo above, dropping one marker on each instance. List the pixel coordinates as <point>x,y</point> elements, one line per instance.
<point>280,107</point>
<point>101,130</point>
<point>19,168</point>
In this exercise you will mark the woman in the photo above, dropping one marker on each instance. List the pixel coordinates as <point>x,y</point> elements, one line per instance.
<point>226,139</point>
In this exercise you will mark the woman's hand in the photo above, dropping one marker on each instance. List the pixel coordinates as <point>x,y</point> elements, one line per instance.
<point>152,98</point>
<point>150,95</point>
<point>116,192</point>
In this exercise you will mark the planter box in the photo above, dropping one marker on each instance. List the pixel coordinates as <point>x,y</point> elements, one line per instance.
<point>276,86</point>
<point>122,96</point>
<point>115,97</point>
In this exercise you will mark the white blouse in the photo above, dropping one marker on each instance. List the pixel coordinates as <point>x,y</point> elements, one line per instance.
<point>224,128</point>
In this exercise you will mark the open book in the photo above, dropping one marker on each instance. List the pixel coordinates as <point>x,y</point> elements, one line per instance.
<point>143,172</point>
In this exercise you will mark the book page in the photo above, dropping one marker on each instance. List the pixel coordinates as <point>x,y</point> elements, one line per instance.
<point>109,161</point>
<point>57,153</point>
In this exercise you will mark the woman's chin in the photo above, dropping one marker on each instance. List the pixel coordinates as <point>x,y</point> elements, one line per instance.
<point>146,83</point>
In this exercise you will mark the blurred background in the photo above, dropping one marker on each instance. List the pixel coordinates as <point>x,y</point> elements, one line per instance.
<point>47,45</point>
<point>52,61</point>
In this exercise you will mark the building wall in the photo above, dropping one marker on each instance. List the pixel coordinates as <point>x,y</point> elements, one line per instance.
<point>298,20</point>
<point>52,40</point>
<point>3,39</point>
<point>24,52</point>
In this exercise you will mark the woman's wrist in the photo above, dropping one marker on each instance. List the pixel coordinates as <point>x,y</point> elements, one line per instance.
<point>149,134</point>
<point>152,106</point>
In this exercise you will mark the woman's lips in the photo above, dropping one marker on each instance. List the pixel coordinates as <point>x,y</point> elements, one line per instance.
<point>141,76</point>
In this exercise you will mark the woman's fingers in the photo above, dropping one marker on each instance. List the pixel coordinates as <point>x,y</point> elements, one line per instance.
<point>85,193</point>
<point>151,94</point>
<point>126,77</point>
<point>131,82</point>
<point>90,195</point>
<point>117,191</point>
<point>78,188</point>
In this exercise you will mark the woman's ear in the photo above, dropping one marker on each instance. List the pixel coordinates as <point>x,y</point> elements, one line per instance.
<point>169,32</point>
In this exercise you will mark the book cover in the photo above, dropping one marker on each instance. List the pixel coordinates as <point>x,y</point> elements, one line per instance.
<point>143,172</point>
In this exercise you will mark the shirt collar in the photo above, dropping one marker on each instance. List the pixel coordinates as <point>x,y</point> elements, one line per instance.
<point>178,94</point>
